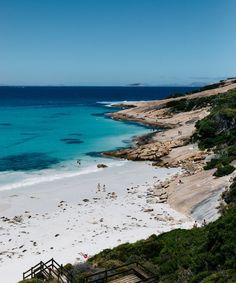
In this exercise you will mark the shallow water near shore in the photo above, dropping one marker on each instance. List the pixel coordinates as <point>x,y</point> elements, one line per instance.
<point>46,140</point>
<point>45,131</point>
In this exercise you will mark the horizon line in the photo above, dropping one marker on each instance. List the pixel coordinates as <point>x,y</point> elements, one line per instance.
<point>134,86</point>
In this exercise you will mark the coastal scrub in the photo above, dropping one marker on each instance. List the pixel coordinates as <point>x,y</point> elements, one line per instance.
<point>217,131</point>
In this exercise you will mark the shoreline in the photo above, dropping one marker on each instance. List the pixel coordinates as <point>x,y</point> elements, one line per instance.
<point>53,174</point>
<point>173,147</point>
<point>62,218</point>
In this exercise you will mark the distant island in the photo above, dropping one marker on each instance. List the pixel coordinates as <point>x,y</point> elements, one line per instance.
<point>137,84</point>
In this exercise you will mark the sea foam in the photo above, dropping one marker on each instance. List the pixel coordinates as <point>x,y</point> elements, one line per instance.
<point>48,175</point>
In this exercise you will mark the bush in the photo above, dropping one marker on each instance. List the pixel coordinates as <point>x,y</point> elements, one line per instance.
<point>211,164</point>
<point>185,104</point>
<point>232,150</point>
<point>219,162</point>
<point>229,196</point>
<point>68,267</point>
<point>224,170</point>
<point>218,128</point>
<point>81,276</point>
<point>215,278</point>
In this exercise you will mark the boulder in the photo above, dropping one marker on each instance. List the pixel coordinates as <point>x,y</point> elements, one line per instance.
<point>101,165</point>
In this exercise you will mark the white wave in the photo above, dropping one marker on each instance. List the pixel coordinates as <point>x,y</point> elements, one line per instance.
<point>111,103</point>
<point>50,175</point>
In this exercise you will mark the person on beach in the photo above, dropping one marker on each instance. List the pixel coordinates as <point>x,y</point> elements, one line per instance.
<point>204,223</point>
<point>195,224</point>
<point>104,188</point>
<point>98,187</point>
<point>85,256</point>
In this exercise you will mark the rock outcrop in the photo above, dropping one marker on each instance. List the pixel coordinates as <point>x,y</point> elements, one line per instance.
<point>149,152</point>
<point>101,165</point>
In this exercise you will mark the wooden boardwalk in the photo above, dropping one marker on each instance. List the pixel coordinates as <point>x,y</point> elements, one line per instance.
<point>126,279</point>
<point>49,270</point>
<point>126,273</point>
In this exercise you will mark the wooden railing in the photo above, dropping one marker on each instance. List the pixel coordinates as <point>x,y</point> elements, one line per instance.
<point>50,269</point>
<point>125,269</point>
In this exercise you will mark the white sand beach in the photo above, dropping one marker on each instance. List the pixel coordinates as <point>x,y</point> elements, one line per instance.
<point>64,217</point>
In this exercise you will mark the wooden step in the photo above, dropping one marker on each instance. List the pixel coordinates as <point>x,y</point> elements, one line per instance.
<point>141,272</point>
<point>126,279</point>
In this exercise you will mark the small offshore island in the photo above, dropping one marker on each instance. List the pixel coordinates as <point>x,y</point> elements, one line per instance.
<point>188,186</point>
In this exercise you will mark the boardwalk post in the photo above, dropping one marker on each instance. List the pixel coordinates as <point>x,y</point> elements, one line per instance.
<point>48,270</point>
<point>106,276</point>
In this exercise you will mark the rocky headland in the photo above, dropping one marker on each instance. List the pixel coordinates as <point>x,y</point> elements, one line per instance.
<point>172,145</point>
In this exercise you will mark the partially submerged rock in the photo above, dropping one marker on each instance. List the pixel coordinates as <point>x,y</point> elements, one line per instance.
<point>101,165</point>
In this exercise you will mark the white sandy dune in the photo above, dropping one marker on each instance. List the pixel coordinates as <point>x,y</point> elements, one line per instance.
<point>64,217</point>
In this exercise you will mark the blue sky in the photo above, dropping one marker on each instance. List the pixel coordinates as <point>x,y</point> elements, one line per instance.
<point>116,42</point>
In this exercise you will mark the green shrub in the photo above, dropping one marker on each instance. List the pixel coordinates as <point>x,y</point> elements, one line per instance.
<point>112,263</point>
<point>228,113</point>
<point>224,170</point>
<point>218,128</point>
<point>229,196</point>
<point>81,277</point>
<point>184,104</point>
<point>211,164</point>
<point>200,276</point>
<point>68,267</point>
<point>219,162</point>
<point>215,278</point>
<point>232,150</point>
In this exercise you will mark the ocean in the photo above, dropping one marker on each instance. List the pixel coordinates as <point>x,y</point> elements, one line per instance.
<point>54,132</point>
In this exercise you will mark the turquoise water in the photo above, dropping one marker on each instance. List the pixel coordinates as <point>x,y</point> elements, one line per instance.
<point>44,131</point>
<point>61,132</point>
<point>51,139</point>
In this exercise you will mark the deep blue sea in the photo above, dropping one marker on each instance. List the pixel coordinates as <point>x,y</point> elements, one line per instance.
<point>45,130</point>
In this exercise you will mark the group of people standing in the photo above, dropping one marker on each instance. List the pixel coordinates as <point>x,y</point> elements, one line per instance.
<point>99,188</point>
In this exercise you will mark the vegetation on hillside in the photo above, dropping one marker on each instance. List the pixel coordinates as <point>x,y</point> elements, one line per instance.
<point>206,87</point>
<point>218,131</point>
<point>184,104</point>
<point>206,254</point>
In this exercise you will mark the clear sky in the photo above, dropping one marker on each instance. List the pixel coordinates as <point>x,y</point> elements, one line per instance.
<point>116,42</point>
